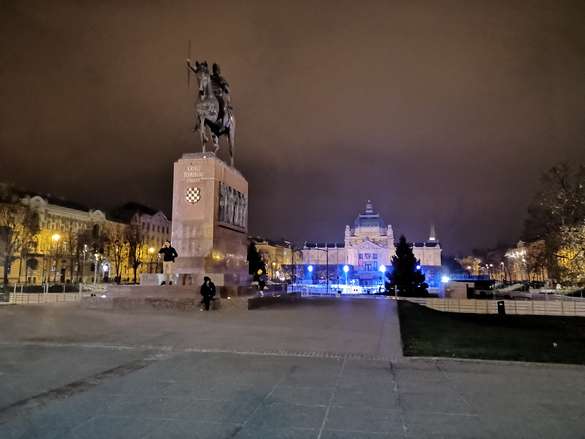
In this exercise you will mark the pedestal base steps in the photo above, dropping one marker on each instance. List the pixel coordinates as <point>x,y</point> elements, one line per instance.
<point>164,298</point>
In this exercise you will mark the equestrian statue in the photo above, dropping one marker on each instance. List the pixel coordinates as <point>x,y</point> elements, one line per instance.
<point>213,110</point>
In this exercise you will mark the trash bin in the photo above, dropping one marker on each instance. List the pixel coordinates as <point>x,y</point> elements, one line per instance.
<point>501,308</point>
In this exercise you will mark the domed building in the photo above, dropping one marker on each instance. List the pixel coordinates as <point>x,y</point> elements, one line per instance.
<point>366,254</point>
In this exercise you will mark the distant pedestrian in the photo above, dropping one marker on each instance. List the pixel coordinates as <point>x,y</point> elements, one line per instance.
<point>168,254</point>
<point>207,292</point>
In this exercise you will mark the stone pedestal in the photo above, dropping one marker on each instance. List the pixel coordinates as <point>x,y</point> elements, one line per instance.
<point>210,221</point>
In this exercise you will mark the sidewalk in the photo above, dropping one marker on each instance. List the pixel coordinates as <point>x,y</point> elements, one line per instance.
<point>310,371</point>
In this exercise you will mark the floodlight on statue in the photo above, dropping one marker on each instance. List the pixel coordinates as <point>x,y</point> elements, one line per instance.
<point>346,268</point>
<point>445,279</point>
<point>310,268</point>
<point>382,269</point>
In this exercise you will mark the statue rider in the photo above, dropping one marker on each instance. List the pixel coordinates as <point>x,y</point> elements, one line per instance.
<point>221,90</point>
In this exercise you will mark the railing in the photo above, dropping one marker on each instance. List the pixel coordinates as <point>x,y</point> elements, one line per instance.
<point>314,289</point>
<point>514,307</point>
<point>39,298</point>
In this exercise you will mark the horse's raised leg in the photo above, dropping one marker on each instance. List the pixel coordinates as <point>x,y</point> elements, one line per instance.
<point>232,140</point>
<point>215,140</point>
<point>202,133</point>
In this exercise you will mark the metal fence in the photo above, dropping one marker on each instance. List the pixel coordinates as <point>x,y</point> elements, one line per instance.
<point>39,298</point>
<point>574,307</point>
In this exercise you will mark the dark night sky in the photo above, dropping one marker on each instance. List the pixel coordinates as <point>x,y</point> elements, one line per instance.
<point>439,111</point>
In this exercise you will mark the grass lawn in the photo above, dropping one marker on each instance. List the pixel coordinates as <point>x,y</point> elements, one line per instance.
<point>426,332</point>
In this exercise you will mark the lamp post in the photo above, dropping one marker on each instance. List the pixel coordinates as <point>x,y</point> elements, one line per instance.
<point>326,250</point>
<point>83,264</point>
<point>55,238</point>
<point>95,271</point>
<point>382,269</point>
<point>345,271</point>
<point>151,251</point>
<point>293,266</point>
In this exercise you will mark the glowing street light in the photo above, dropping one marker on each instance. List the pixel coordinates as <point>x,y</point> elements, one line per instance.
<point>310,268</point>
<point>55,237</point>
<point>382,269</point>
<point>346,268</point>
<point>151,251</point>
<point>445,279</point>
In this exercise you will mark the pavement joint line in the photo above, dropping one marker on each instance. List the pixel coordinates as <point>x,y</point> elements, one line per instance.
<point>27,405</point>
<point>166,348</point>
<point>398,399</point>
<point>332,398</point>
<point>452,387</point>
<point>385,433</point>
<point>260,404</point>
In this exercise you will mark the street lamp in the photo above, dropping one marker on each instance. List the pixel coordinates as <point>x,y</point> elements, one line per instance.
<point>95,271</point>
<point>55,238</point>
<point>151,251</point>
<point>382,269</point>
<point>83,264</point>
<point>346,270</point>
<point>326,250</point>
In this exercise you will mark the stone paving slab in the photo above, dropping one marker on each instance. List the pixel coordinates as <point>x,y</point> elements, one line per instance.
<point>168,388</point>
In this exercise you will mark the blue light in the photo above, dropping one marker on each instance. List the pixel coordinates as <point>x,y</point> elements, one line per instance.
<point>445,279</point>
<point>310,268</point>
<point>382,269</point>
<point>345,268</point>
<point>418,267</point>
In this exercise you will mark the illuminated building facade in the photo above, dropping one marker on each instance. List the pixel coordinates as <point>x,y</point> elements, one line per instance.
<point>366,254</point>
<point>79,244</point>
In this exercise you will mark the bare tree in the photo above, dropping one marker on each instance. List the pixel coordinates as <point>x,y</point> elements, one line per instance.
<point>92,241</point>
<point>560,204</point>
<point>19,225</point>
<point>571,255</point>
<point>136,248</point>
<point>118,251</point>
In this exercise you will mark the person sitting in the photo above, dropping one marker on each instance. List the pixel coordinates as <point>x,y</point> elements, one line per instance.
<point>207,292</point>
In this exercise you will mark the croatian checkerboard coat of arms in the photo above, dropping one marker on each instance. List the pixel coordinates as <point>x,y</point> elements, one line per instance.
<point>192,195</point>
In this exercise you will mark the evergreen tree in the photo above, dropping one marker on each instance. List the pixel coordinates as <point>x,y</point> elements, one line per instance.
<point>256,266</point>
<point>405,277</point>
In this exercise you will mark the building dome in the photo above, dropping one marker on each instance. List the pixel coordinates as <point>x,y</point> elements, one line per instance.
<point>369,218</point>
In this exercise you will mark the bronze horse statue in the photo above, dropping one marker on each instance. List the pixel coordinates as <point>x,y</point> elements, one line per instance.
<point>213,113</point>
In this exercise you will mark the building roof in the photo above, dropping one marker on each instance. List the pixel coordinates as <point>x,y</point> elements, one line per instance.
<point>55,200</point>
<point>128,210</point>
<point>274,242</point>
<point>369,218</point>
<point>323,245</point>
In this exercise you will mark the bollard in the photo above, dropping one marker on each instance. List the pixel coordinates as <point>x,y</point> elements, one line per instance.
<point>501,308</point>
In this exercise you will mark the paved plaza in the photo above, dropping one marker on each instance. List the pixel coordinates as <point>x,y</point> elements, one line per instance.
<point>326,369</point>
